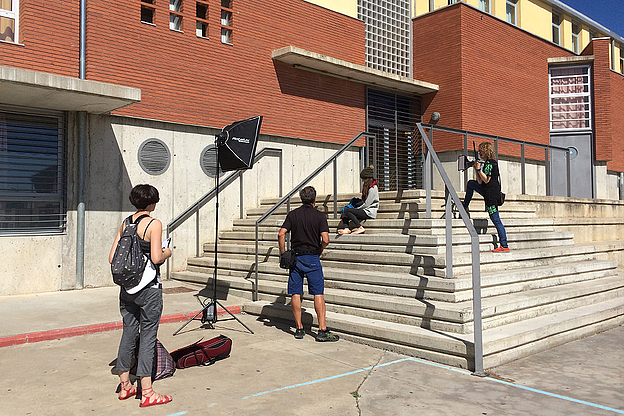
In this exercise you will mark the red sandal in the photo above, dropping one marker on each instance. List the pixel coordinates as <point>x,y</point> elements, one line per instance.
<point>146,400</point>
<point>130,392</point>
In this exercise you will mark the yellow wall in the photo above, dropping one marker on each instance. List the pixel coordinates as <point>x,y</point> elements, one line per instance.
<point>420,7</point>
<point>348,7</point>
<point>537,18</point>
<point>566,32</point>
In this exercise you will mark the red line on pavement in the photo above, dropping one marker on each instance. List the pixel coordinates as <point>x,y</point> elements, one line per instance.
<point>92,329</point>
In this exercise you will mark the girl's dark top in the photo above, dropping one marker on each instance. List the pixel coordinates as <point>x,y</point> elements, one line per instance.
<point>492,188</point>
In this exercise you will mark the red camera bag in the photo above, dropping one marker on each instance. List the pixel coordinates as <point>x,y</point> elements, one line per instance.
<point>202,353</point>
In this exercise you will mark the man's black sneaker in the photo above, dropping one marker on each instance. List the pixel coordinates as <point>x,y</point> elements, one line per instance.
<point>326,336</point>
<point>299,333</point>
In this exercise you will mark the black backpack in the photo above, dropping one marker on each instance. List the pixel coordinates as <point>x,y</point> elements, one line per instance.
<point>128,261</point>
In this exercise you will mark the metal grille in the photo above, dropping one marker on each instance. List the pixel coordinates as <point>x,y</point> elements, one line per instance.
<point>387,34</point>
<point>208,161</point>
<point>154,156</point>
<point>395,153</point>
<point>32,172</point>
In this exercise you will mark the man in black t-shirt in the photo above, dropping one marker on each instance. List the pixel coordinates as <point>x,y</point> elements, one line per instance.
<point>309,234</point>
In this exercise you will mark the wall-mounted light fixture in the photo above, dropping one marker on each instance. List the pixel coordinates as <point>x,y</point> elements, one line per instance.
<point>435,116</point>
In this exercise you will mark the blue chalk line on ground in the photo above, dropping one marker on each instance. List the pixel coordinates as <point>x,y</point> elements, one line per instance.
<point>324,379</point>
<point>558,396</point>
<point>457,370</point>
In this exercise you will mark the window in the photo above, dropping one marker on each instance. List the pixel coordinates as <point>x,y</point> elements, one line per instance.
<point>32,172</point>
<point>147,11</point>
<point>484,5</point>
<point>511,11</point>
<point>9,20</point>
<point>175,15</point>
<point>387,32</point>
<point>570,98</point>
<point>576,29</point>
<point>556,27</point>
<point>226,21</point>
<point>452,1</point>
<point>621,59</point>
<point>613,54</point>
<point>201,15</point>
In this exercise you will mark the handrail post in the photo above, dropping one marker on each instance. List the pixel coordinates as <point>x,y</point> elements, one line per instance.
<point>197,233</point>
<point>522,169</point>
<point>255,294</point>
<point>281,173</point>
<point>476,261</point>
<point>241,195</point>
<point>448,216</point>
<point>569,185</point>
<point>335,189</point>
<point>465,154</point>
<point>428,181</point>
<point>476,307</point>
<point>547,170</point>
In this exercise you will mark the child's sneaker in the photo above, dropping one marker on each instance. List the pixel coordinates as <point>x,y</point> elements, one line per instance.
<point>326,336</point>
<point>500,249</point>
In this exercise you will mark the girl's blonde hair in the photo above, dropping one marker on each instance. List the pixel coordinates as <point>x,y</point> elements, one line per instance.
<point>487,149</point>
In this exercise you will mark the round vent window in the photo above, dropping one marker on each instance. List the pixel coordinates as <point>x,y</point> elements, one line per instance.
<point>208,161</point>
<point>154,156</point>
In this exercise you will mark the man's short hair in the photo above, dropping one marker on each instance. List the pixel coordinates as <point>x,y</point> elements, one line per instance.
<point>308,195</point>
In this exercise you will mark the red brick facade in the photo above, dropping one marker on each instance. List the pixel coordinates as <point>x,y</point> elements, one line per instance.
<point>617,122</point>
<point>48,38</point>
<point>493,77</point>
<point>194,80</point>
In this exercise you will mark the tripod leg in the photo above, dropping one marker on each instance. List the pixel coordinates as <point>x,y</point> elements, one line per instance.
<point>232,315</point>
<point>188,322</point>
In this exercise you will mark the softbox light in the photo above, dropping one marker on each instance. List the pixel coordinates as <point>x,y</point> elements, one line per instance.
<point>237,144</point>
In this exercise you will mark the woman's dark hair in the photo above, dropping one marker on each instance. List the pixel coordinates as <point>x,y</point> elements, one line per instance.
<point>143,195</point>
<point>366,186</point>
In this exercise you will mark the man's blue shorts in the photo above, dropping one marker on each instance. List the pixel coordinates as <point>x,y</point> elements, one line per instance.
<point>308,265</point>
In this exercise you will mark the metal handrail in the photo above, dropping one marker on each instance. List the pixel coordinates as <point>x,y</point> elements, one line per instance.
<point>194,209</point>
<point>451,194</point>
<point>523,143</point>
<point>286,198</point>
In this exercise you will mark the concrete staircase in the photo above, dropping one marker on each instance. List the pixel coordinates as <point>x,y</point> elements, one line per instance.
<point>388,287</point>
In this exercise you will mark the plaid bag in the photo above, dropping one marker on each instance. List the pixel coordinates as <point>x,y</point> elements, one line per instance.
<point>163,365</point>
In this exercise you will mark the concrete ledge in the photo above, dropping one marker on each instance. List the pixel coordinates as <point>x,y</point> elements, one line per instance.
<point>26,88</point>
<point>315,62</point>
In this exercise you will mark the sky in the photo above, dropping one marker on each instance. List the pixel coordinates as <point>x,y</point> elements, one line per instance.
<point>609,13</point>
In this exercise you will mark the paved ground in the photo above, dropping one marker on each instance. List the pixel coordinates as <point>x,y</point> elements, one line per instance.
<point>270,372</point>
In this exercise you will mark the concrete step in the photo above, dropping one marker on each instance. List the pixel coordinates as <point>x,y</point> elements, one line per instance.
<point>421,226</point>
<point>435,265</point>
<point>500,345</point>
<point>242,242</point>
<point>430,288</point>
<point>444,316</point>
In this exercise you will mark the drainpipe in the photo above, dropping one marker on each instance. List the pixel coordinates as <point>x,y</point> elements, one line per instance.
<point>82,133</point>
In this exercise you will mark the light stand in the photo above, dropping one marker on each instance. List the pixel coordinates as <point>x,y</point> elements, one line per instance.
<point>209,303</point>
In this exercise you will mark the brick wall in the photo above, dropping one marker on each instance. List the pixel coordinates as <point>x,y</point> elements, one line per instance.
<point>493,76</point>
<point>193,80</point>
<point>617,122</point>
<point>603,111</point>
<point>188,79</point>
<point>49,37</point>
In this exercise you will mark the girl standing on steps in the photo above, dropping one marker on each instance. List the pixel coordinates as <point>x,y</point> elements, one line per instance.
<point>141,306</point>
<point>368,210</point>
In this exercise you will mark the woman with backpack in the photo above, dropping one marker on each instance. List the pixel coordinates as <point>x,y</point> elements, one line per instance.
<point>141,305</point>
<point>364,211</point>
<point>488,185</point>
